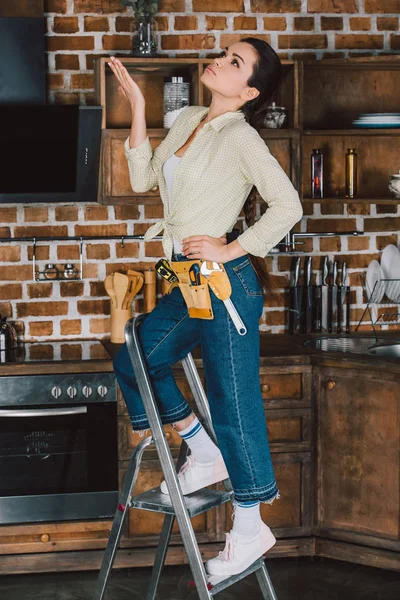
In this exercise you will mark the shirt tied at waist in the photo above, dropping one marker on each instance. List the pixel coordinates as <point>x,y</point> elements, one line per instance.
<point>167,240</point>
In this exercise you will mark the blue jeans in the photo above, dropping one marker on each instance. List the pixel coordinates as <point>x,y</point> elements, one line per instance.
<point>231,371</point>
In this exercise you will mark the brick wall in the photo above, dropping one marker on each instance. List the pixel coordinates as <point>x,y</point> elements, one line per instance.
<point>80,30</point>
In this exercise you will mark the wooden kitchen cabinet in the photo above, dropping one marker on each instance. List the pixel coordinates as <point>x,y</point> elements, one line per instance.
<point>357,479</point>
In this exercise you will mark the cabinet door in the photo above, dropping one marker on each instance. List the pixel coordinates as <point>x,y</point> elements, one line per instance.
<point>115,185</point>
<point>358,462</point>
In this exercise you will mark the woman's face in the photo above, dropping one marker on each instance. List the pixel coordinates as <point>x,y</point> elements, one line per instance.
<point>228,74</point>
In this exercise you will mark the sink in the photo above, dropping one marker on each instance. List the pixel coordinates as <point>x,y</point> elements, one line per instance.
<point>356,345</point>
<point>387,350</point>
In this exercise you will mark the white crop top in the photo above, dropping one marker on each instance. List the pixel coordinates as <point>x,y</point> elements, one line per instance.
<point>169,169</point>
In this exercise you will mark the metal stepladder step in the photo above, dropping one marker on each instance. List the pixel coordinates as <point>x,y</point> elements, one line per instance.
<point>175,504</point>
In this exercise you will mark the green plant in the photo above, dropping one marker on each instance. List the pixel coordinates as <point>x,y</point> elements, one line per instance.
<point>142,7</point>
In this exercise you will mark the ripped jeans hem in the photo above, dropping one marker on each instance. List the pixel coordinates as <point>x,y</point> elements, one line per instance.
<point>260,497</point>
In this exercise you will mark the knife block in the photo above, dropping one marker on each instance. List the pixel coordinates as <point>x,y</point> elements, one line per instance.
<point>119,317</point>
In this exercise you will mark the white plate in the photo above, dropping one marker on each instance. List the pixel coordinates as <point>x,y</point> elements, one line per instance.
<point>390,263</point>
<point>375,291</point>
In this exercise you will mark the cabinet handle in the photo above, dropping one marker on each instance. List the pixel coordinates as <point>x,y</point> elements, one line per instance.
<point>45,537</point>
<point>331,384</point>
<point>265,387</point>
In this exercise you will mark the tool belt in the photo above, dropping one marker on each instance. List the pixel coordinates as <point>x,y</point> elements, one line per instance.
<point>197,297</point>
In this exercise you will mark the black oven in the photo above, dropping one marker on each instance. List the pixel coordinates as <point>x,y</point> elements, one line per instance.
<point>58,447</point>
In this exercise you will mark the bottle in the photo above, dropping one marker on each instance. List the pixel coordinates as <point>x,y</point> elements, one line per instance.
<point>351,173</point>
<point>317,173</point>
<point>176,98</point>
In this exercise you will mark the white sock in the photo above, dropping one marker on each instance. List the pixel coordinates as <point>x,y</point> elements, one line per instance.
<point>201,445</point>
<point>247,518</point>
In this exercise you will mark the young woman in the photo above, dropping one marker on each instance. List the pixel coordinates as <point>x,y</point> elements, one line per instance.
<point>208,168</point>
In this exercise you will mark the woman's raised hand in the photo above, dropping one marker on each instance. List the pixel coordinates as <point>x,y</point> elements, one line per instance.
<point>127,86</point>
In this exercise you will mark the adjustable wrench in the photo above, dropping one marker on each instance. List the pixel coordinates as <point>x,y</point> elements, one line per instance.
<point>230,307</point>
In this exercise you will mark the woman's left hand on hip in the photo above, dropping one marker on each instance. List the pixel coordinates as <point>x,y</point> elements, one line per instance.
<point>205,247</point>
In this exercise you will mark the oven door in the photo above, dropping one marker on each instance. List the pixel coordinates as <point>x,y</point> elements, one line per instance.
<point>58,463</point>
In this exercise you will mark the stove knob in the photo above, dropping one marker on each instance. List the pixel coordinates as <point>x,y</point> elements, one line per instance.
<point>87,391</point>
<point>72,391</point>
<point>56,392</point>
<point>102,390</point>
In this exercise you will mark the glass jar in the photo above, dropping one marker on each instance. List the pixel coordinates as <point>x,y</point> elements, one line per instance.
<point>50,271</point>
<point>275,117</point>
<point>70,271</point>
<point>176,98</point>
<point>144,39</point>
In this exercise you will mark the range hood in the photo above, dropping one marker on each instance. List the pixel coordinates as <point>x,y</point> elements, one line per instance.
<point>22,52</point>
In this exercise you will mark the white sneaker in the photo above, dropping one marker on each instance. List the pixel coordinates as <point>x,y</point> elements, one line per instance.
<point>239,553</point>
<point>194,475</point>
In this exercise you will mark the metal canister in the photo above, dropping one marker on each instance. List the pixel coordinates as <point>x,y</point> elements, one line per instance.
<point>351,173</point>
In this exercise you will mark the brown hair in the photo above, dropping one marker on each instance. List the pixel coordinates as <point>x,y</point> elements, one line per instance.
<point>266,78</point>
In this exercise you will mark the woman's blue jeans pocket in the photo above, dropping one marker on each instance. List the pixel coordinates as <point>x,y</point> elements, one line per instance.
<point>247,275</point>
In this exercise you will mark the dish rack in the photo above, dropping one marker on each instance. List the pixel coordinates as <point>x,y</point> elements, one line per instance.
<point>389,286</point>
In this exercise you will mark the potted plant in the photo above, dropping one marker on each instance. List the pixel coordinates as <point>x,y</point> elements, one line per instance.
<point>144,40</point>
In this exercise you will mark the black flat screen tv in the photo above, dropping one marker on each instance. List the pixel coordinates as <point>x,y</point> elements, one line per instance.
<point>49,153</point>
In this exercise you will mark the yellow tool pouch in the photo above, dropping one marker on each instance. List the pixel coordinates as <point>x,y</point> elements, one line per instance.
<point>197,297</point>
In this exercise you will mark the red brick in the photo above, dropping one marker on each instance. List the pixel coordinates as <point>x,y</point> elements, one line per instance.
<point>129,250</point>
<point>101,325</point>
<point>56,43</point>
<point>184,23</point>
<point>395,42</point>
<point>187,42</point>
<point>68,252</point>
<point>93,307</point>
<point>54,81</point>
<point>330,244</point>
<point>332,6</point>
<point>66,25</point>
<point>41,328</point>
<point>10,253</point>
<point>358,208</point>
<point>275,6</point>
<point>217,23</point>
<point>274,23</point>
<point>384,240</point>
<point>8,215</point>
<point>381,6</point>
<point>97,288</point>
<point>67,62</point>
<point>358,242</point>
<point>96,213</point>
<point>226,39</point>
<point>116,42</point>
<point>326,225</point>
<point>71,289</point>
<point>82,81</point>
<point>153,249</point>
<point>130,212</point>
<point>11,291</point>
<point>6,309</point>
<point>66,213</point>
<point>360,23</point>
<point>41,309</point>
<point>244,22</point>
<point>358,41</point>
<point>387,23</point>
<point>41,252</point>
<point>96,24</point>
<point>98,6</point>
<point>332,208</point>
<point>124,24</point>
<point>97,251</point>
<point>40,290</point>
<point>302,41</point>
<point>101,230</point>
<point>70,327</point>
<point>223,6</point>
<point>41,231</point>
<point>382,224</point>
<point>16,273</point>
<point>303,23</point>
<point>55,6</point>
<point>331,23</point>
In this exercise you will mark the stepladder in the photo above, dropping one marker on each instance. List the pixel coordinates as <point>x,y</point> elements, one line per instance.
<point>175,505</point>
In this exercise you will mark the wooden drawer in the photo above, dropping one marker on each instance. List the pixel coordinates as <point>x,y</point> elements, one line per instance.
<point>286,386</point>
<point>289,430</point>
<point>289,515</point>
<point>53,537</point>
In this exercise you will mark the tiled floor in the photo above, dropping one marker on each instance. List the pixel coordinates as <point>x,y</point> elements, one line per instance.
<point>293,579</point>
